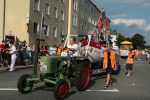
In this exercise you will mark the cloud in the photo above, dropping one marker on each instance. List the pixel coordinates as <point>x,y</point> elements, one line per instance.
<point>129,27</point>
<point>139,23</point>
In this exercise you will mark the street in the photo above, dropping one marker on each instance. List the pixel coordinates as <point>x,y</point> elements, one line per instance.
<point>136,87</point>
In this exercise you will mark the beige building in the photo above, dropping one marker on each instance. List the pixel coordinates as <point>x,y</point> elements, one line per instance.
<point>16,19</point>
<point>1,19</point>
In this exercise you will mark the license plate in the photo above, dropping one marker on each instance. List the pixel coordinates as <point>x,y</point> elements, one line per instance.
<point>43,66</point>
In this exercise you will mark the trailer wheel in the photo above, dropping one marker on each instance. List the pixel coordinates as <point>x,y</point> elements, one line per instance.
<point>82,75</point>
<point>49,84</point>
<point>23,86</point>
<point>61,89</point>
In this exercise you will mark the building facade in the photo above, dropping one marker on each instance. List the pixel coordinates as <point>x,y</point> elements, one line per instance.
<point>55,13</point>
<point>23,19</point>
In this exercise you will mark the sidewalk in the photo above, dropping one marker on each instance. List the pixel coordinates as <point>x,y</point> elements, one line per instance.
<point>17,68</point>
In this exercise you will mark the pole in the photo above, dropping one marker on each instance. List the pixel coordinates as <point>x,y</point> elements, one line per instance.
<point>39,45</point>
<point>4,19</point>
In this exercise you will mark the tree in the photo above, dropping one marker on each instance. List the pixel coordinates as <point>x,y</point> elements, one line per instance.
<point>138,40</point>
<point>128,39</point>
<point>120,38</point>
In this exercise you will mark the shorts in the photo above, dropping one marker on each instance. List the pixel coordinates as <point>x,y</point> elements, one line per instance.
<point>109,70</point>
<point>129,66</point>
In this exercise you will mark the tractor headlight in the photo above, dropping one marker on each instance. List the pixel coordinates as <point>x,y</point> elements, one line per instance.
<point>43,66</point>
<point>64,62</point>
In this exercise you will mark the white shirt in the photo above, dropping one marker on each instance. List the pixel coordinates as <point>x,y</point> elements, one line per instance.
<point>75,53</point>
<point>12,50</point>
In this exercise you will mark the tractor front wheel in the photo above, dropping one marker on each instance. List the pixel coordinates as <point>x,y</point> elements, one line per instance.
<point>61,89</point>
<point>82,75</point>
<point>23,86</point>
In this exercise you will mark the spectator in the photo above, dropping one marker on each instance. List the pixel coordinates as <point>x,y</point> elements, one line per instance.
<point>59,50</point>
<point>13,56</point>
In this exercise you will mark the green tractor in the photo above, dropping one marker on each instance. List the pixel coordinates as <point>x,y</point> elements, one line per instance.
<point>53,71</point>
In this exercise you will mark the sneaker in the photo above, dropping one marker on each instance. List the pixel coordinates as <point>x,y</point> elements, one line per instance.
<point>106,86</point>
<point>110,84</point>
<point>128,75</point>
<point>10,70</point>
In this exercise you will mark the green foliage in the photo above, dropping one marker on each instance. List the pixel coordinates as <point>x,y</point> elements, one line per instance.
<point>120,38</point>
<point>138,40</point>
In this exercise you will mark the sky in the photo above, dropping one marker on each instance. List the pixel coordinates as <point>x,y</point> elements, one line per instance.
<point>128,16</point>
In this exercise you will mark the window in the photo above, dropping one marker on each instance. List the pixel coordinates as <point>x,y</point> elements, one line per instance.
<point>81,28</point>
<point>82,14</point>
<point>63,0</point>
<point>55,12</point>
<point>94,11</point>
<point>46,31</point>
<point>89,31</point>
<point>36,4</point>
<point>85,23</point>
<point>62,15</point>
<point>54,32</point>
<point>74,20</point>
<point>82,2</point>
<point>36,28</point>
<point>75,4</point>
<point>61,30</point>
<point>89,7</point>
<point>89,19</point>
<point>47,8</point>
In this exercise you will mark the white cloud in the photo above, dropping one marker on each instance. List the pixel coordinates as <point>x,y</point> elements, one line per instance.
<point>140,23</point>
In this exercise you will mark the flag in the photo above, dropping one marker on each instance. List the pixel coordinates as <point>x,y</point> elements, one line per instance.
<point>109,37</point>
<point>44,26</point>
<point>92,38</point>
<point>99,25</point>
<point>103,12</point>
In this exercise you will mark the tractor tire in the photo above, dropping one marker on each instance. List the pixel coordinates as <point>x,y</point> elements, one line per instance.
<point>49,85</point>
<point>82,75</point>
<point>22,84</point>
<point>61,89</point>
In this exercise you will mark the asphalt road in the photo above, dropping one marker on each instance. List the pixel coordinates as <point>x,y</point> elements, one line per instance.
<point>136,87</point>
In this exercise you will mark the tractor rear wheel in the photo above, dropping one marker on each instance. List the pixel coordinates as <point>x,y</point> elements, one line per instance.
<point>23,86</point>
<point>61,89</point>
<point>82,75</point>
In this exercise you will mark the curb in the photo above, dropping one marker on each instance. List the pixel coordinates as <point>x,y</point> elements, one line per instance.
<point>17,68</point>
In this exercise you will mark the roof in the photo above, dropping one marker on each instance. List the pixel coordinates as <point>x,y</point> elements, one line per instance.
<point>113,32</point>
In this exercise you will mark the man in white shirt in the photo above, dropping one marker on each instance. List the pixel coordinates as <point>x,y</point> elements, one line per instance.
<point>13,56</point>
<point>73,47</point>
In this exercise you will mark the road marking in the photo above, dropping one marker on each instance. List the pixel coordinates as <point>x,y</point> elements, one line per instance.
<point>8,89</point>
<point>114,90</point>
